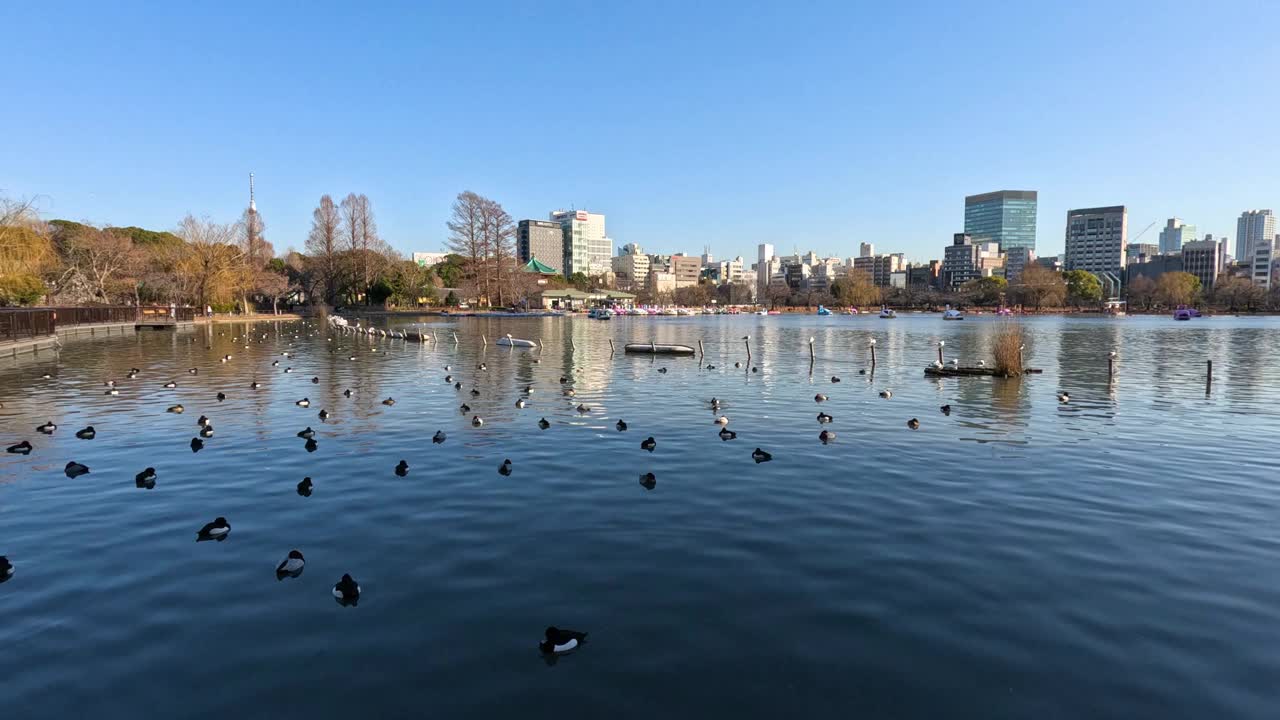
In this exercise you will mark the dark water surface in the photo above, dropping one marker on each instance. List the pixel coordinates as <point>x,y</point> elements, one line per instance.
<point>1114,557</point>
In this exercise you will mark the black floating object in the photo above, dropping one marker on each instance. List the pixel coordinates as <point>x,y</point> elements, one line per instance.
<point>835,379</point>
<point>311,445</point>
<point>542,423</point>
<point>755,369</point>
<point>457,386</point>
<point>315,381</point>
<point>622,426</point>
<point>75,469</point>
<point>202,420</point>
<point>862,372</point>
<point>304,487</point>
<point>557,640</point>
<point>648,444</point>
<point>760,456</point>
<point>216,530</point>
<point>946,409</point>
<point>47,428</point>
<point>648,481</point>
<point>307,434</point>
<point>914,424</point>
<point>819,398</point>
<point>146,479</point>
<point>464,408</point>
<point>737,364</point>
<point>87,433</point>
<point>22,448</point>
<point>824,418</point>
<point>206,431</point>
<point>726,434</point>
<point>196,444</point>
<point>402,469</point>
<point>662,370</point>
<point>389,402</point>
<point>475,392</point>
<point>439,437</point>
<point>505,467</point>
<point>323,414</point>
<point>826,436</point>
<point>221,397</point>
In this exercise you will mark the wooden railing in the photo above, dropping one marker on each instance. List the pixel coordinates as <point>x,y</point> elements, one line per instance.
<point>27,323</point>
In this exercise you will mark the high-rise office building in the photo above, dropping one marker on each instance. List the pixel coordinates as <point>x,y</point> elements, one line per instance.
<point>764,271</point>
<point>1016,260</point>
<point>866,250</point>
<point>540,239</point>
<point>966,259</point>
<point>1097,239</point>
<point>1176,234</point>
<point>1201,258</point>
<point>686,268</point>
<point>1007,217</point>
<point>631,268</point>
<point>1253,227</point>
<point>1263,255</point>
<point>587,248</point>
<point>1140,252</point>
<point>880,267</point>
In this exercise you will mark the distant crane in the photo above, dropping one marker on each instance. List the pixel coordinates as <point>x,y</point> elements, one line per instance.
<point>1144,231</point>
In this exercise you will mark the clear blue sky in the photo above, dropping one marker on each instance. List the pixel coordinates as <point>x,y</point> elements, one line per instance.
<point>809,125</point>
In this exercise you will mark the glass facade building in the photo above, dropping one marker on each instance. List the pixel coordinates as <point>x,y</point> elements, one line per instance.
<point>1007,217</point>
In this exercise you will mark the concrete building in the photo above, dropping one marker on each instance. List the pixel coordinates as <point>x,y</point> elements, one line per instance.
<point>922,277</point>
<point>866,249</point>
<point>587,248</point>
<point>1016,260</point>
<point>1253,227</point>
<point>1176,234</point>
<point>1140,252</point>
<point>1154,267</point>
<point>686,270</point>
<point>764,271</point>
<point>660,282</point>
<point>631,268</point>
<point>1006,217</point>
<point>543,240</point>
<point>1202,259</point>
<point>1097,239</point>
<point>966,259</point>
<point>725,271</point>
<point>880,267</point>
<point>427,259</point>
<point>1263,256</point>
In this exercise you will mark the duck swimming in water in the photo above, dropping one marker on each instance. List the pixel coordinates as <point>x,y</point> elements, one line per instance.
<point>6,568</point>
<point>87,433</point>
<point>542,423</point>
<point>221,397</point>
<point>323,414</point>
<point>835,379</point>
<point>520,404</point>
<point>196,444</point>
<point>47,428</point>
<point>389,402</point>
<point>819,398</point>
<point>726,434</point>
<point>146,479</point>
<point>307,434</point>
<point>402,468</point>
<point>291,566</point>
<point>347,393</point>
<point>202,420</point>
<point>310,445</point>
<point>582,408</point>
<point>112,391</point>
<point>886,394</point>
<point>457,386</point>
<point>621,425</point>
<point>722,420</point>
<point>648,481</point>
<point>824,418</point>
<point>569,393</point>
<point>475,392</point>
<point>662,370</point>
<point>194,371</point>
<point>476,421</point>
<point>914,424</point>
<point>464,408</point>
<point>75,469</point>
<point>171,385</point>
<point>304,402</point>
<point>254,385</point>
<point>304,487</point>
<point>439,437</point>
<point>216,529</point>
<point>648,444</point>
<point>505,467</point>
<point>826,436</point>
<point>561,641</point>
<point>946,409</point>
<point>175,409</point>
<point>315,381</point>
<point>347,591</point>
<point>22,448</point>
<point>760,456</point>
<point>1064,398</point>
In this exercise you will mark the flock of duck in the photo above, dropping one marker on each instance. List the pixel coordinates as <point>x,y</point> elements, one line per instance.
<point>346,590</point>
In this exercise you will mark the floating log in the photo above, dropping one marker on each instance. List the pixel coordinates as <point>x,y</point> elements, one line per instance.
<point>658,349</point>
<point>973,372</point>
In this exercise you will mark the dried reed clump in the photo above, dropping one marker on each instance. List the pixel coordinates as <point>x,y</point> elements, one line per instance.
<point>1006,346</point>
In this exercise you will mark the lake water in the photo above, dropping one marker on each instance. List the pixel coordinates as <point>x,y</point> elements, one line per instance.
<point>1113,557</point>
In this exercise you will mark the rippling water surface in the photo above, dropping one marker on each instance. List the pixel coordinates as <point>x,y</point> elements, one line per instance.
<point>1116,556</point>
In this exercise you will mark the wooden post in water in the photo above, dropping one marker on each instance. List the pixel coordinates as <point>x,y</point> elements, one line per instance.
<point>811,350</point>
<point>1111,364</point>
<point>940,344</point>
<point>701,353</point>
<point>484,340</point>
<point>610,346</point>
<point>455,338</point>
<point>872,344</point>
<point>539,343</point>
<point>1208,378</point>
<point>747,338</point>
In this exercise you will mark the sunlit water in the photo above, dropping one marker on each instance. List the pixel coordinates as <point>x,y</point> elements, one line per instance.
<point>1116,556</point>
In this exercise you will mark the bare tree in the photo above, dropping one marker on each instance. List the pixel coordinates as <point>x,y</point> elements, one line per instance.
<point>468,239</point>
<point>323,245</point>
<point>360,235</point>
<point>499,234</point>
<point>208,258</point>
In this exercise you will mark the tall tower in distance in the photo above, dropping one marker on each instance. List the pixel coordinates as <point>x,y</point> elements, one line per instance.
<point>253,208</point>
